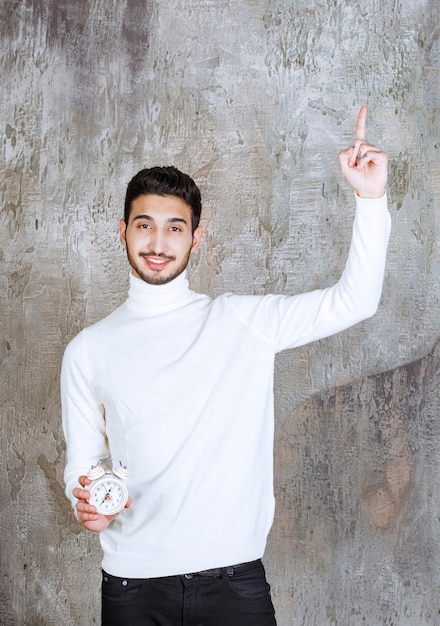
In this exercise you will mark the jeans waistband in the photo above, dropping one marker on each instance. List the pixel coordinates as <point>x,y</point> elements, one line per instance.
<point>230,570</point>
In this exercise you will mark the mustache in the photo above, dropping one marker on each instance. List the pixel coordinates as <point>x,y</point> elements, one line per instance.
<point>161,255</point>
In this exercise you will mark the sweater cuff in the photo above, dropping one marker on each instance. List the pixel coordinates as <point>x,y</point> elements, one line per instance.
<point>372,203</point>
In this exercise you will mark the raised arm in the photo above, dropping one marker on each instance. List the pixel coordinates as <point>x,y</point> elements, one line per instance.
<point>364,165</point>
<point>289,321</point>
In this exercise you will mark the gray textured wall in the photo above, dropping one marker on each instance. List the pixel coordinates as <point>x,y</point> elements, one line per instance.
<point>254,98</point>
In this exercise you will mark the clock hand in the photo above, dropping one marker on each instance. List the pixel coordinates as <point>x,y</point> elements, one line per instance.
<point>107,497</point>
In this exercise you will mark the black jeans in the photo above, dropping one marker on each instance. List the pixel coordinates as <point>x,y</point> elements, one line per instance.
<point>229,596</point>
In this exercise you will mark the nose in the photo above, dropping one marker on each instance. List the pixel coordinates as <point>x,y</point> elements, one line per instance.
<point>157,242</point>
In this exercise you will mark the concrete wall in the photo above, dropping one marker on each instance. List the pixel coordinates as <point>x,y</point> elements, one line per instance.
<point>254,98</point>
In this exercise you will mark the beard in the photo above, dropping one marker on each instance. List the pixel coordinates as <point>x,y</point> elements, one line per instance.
<point>157,277</point>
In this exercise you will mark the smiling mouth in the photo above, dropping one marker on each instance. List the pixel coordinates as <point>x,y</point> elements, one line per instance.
<point>156,262</point>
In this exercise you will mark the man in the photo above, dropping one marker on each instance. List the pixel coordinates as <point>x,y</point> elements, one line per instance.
<point>178,387</point>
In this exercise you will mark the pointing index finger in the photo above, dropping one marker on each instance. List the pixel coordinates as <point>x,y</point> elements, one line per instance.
<point>361,132</point>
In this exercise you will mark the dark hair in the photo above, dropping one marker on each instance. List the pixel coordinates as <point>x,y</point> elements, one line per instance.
<point>165,181</point>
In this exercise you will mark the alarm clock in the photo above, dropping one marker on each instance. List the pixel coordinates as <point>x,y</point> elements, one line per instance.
<point>108,492</point>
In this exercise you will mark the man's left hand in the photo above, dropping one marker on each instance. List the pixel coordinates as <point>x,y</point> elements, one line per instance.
<point>364,165</point>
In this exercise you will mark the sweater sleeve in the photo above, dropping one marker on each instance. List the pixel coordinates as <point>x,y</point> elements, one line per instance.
<point>82,415</point>
<point>290,321</point>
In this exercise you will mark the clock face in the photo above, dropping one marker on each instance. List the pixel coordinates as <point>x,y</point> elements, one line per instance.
<point>109,495</point>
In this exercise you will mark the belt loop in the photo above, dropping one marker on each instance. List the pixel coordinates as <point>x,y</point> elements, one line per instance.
<point>230,570</point>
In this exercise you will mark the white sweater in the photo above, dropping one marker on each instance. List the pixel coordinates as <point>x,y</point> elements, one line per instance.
<point>179,387</point>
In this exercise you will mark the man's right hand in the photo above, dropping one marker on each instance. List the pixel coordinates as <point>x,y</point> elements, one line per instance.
<point>87,515</point>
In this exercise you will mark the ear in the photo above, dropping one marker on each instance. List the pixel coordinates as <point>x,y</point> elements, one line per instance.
<point>122,229</point>
<point>197,235</point>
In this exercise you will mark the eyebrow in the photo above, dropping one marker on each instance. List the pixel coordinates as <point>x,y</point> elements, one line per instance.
<point>171,220</point>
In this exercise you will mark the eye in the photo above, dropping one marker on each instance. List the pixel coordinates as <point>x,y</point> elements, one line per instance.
<point>175,229</point>
<point>144,226</point>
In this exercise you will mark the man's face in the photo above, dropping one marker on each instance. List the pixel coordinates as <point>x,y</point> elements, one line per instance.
<point>159,238</point>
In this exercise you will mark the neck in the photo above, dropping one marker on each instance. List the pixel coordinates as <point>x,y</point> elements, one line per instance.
<point>156,299</point>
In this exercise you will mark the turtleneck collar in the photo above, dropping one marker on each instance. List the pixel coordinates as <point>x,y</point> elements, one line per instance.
<point>156,299</point>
